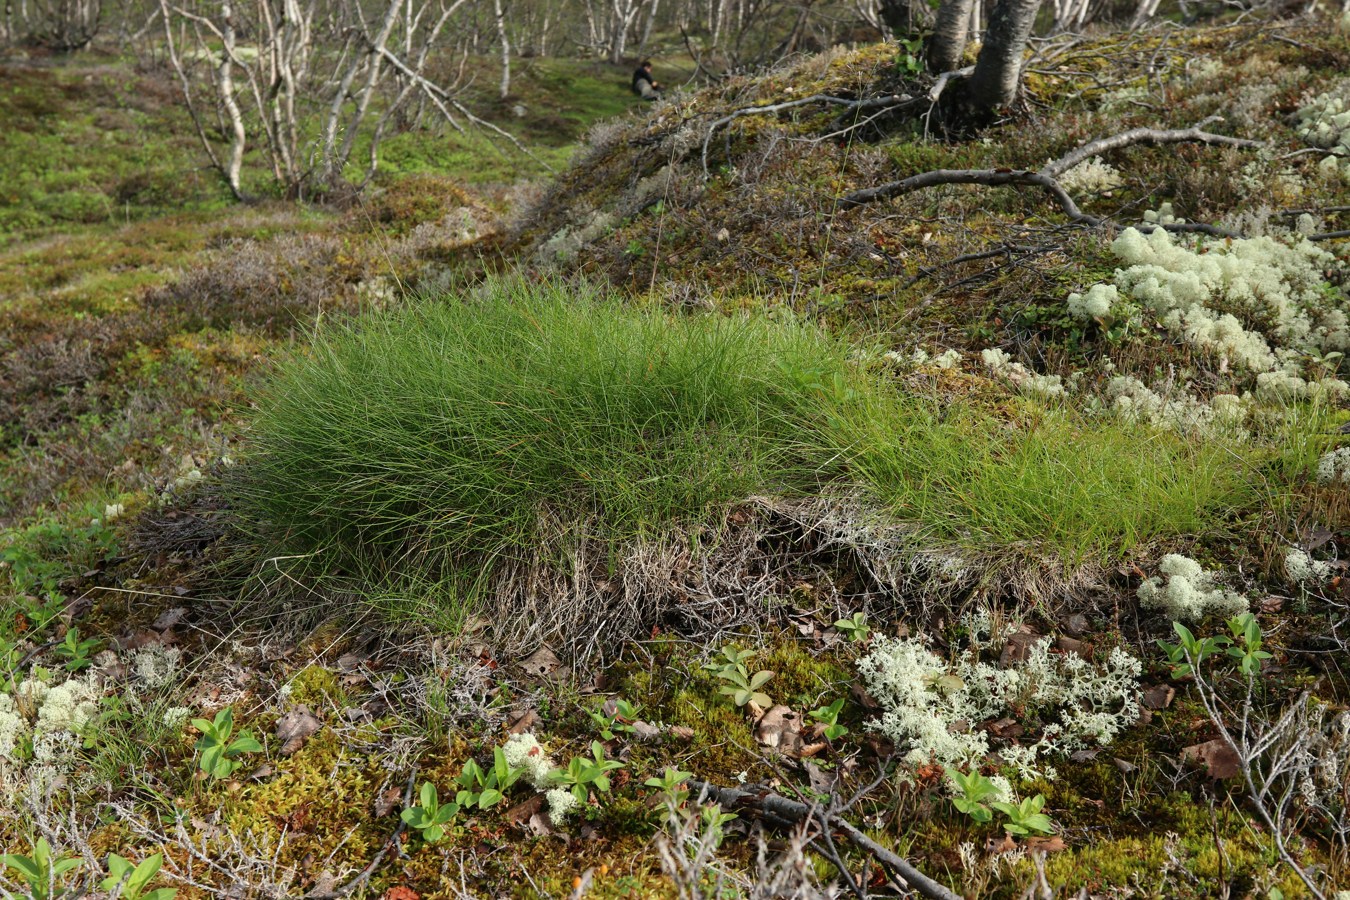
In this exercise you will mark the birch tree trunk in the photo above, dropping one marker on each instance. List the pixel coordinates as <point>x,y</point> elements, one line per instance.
<point>500,11</point>
<point>949,35</point>
<point>998,71</point>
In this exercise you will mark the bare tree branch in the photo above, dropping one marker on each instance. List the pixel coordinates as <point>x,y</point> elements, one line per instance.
<point>790,810</point>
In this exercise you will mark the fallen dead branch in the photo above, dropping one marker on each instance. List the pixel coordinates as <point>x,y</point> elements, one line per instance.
<point>883,103</point>
<point>1046,178</point>
<point>778,810</point>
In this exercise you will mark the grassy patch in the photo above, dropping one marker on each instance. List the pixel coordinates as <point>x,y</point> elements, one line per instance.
<point>477,428</point>
<point>1082,486</point>
<point>458,426</point>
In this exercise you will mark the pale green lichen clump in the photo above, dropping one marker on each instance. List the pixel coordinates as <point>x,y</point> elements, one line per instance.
<point>923,699</point>
<point>1258,304</point>
<point>1334,467</point>
<point>1186,592</point>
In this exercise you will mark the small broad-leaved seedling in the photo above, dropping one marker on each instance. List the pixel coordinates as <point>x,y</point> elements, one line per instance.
<point>671,785</point>
<point>584,773</point>
<point>745,687</point>
<point>78,653</point>
<point>975,789</point>
<point>429,817</point>
<point>730,658</point>
<point>910,58</point>
<point>621,722</point>
<point>133,878</point>
<point>1189,652</point>
<point>219,753</point>
<point>713,821</point>
<point>40,870</point>
<point>484,788</point>
<point>855,627</point>
<point>742,687</point>
<point>1246,647</point>
<point>829,717</point>
<point>1026,817</point>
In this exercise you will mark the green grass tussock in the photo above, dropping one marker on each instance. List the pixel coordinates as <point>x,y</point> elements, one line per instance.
<point>458,426</point>
<point>484,426</point>
<point>1083,487</point>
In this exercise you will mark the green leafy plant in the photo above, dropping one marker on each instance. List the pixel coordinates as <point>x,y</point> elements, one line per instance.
<point>484,788</point>
<point>671,783</point>
<point>1026,817</point>
<point>910,58</point>
<point>1189,652</point>
<point>673,791</point>
<point>584,773</point>
<point>975,789</point>
<point>1246,648</point>
<point>40,870</point>
<point>429,817</point>
<point>219,753</point>
<point>133,878</point>
<point>621,722</point>
<point>713,821</point>
<point>855,627</point>
<point>77,652</point>
<point>742,687</point>
<point>829,717</point>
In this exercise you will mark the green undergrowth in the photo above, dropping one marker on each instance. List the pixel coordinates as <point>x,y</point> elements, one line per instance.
<point>470,429</point>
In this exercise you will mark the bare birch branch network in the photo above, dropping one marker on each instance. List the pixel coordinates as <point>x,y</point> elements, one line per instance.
<point>1046,178</point>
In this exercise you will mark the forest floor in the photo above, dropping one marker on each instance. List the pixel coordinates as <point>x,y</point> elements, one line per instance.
<point>446,544</point>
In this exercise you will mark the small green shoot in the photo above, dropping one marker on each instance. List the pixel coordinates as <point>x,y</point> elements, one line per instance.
<point>485,788</point>
<point>855,627</point>
<point>742,687</point>
<point>429,817</point>
<point>583,773</point>
<point>133,878</point>
<point>975,789</point>
<point>713,820</point>
<point>1246,647</point>
<point>219,754</point>
<point>40,871</point>
<point>1189,652</point>
<point>1026,817</point>
<point>620,722</point>
<point>829,717</point>
<point>78,653</point>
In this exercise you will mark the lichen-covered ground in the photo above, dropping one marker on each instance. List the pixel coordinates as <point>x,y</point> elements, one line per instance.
<point>1044,445</point>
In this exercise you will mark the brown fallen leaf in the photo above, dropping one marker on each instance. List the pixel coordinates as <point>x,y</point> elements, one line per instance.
<point>1018,647</point>
<point>1218,757</point>
<point>1159,696</point>
<point>645,731</point>
<point>1071,645</point>
<point>682,732</point>
<point>388,801</point>
<point>1075,625</point>
<point>522,812</point>
<point>779,728</point>
<point>542,663</point>
<point>541,824</point>
<point>295,727</point>
<point>169,618</point>
<point>524,722</point>
<point>1045,844</point>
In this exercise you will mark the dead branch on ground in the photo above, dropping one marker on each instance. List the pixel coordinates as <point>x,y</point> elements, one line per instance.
<point>1046,179</point>
<point>773,808</point>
